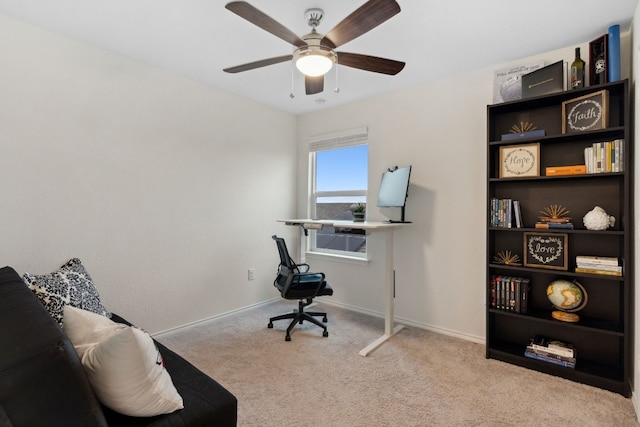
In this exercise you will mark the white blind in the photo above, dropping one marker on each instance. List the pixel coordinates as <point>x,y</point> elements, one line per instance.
<point>342,139</point>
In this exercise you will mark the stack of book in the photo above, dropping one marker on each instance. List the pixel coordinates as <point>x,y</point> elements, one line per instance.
<point>598,265</point>
<point>554,223</point>
<point>551,351</point>
<point>604,157</point>
<point>509,293</point>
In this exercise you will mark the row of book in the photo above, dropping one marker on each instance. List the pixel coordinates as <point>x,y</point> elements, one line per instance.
<point>551,351</point>
<point>604,157</point>
<point>509,293</point>
<point>505,213</point>
<point>598,265</point>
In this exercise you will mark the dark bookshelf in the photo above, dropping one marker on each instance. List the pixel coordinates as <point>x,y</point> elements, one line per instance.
<point>603,335</point>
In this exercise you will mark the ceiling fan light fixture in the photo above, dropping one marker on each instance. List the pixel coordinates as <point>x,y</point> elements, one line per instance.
<point>314,65</point>
<point>314,61</point>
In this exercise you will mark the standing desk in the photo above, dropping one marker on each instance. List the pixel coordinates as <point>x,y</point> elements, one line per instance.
<point>368,226</point>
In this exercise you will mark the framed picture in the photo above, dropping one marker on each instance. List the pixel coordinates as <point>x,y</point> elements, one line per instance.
<point>520,160</point>
<point>598,59</point>
<point>546,250</point>
<point>589,112</point>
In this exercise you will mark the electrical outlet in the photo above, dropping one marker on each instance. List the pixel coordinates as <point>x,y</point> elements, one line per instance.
<point>251,274</point>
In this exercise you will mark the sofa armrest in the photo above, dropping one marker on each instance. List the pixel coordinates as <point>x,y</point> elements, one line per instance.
<point>43,381</point>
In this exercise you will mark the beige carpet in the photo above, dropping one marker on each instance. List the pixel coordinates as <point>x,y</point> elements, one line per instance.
<point>418,378</point>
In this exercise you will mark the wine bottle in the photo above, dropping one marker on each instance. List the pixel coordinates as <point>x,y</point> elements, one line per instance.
<point>577,71</point>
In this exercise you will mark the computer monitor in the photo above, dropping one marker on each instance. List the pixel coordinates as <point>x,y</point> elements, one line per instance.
<point>394,189</point>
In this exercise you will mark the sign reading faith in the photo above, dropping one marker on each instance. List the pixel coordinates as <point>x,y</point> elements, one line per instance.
<point>585,113</point>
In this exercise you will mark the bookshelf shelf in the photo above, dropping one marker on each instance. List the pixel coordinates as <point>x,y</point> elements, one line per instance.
<point>602,337</point>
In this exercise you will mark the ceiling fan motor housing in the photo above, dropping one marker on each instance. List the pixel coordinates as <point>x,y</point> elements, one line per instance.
<point>313,17</point>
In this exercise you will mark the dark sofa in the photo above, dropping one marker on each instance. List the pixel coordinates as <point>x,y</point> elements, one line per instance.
<point>42,381</point>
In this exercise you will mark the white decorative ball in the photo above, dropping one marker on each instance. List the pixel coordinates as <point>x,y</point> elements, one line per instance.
<point>598,219</point>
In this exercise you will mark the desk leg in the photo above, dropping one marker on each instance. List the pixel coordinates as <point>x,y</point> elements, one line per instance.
<point>389,329</point>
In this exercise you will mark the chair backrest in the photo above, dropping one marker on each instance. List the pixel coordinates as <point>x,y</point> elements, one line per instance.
<point>285,259</point>
<point>290,277</point>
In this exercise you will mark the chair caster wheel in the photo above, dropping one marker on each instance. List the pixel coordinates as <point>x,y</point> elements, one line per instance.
<point>325,319</point>
<point>287,338</point>
<point>325,334</point>
<point>270,325</point>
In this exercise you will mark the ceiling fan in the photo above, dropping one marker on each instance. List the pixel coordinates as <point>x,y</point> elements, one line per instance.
<point>315,53</point>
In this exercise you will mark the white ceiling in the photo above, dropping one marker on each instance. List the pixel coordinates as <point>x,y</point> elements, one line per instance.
<point>437,38</point>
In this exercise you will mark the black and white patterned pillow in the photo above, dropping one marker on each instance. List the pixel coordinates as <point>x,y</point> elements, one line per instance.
<point>71,285</point>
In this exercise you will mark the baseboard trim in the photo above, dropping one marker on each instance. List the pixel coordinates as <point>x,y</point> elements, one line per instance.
<point>408,322</point>
<point>328,301</point>
<point>217,316</point>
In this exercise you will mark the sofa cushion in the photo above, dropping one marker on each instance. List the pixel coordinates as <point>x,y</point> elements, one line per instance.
<point>123,364</point>
<point>70,284</point>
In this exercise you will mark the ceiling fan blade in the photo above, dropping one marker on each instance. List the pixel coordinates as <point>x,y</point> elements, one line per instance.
<point>365,18</point>
<point>256,17</point>
<point>258,64</point>
<point>370,63</point>
<point>313,85</point>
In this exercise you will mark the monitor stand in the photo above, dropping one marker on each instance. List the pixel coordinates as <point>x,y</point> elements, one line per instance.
<point>401,221</point>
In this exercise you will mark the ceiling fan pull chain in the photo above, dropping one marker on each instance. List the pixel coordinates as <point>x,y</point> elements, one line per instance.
<point>337,89</point>
<point>292,95</point>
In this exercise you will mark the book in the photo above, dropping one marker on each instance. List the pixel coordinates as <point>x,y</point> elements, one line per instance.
<point>598,260</point>
<point>566,170</point>
<point>509,293</point>
<point>493,293</point>
<point>501,214</point>
<point>537,356</point>
<point>598,271</point>
<point>552,345</point>
<point>554,225</point>
<point>605,157</point>
<point>517,213</point>
<point>599,266</point>
<point>530,134</point>
<point>552,355</point>
<point>562,220</point>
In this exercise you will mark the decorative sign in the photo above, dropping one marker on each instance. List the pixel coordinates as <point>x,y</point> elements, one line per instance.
<point>519,160</point>
<point>585,113</point>
<point>546,250</point>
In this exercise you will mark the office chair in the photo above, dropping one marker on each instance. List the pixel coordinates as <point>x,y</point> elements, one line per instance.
<point>295,281</point>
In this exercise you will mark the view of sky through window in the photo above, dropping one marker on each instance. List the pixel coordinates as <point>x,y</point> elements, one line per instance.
<point>343,169</point>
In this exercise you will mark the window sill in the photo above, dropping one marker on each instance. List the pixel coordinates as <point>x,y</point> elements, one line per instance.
<point>337,257</point>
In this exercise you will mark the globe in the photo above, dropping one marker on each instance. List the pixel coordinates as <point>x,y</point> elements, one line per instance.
<point>567,297</point>
<point>511,89</point>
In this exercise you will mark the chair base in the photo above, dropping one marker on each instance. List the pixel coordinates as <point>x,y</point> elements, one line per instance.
<point>298,316</point>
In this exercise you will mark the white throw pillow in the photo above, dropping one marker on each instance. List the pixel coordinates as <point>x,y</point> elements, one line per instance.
<point>123,364</point>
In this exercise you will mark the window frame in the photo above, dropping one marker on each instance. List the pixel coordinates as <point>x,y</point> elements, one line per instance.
<point>334,141</point>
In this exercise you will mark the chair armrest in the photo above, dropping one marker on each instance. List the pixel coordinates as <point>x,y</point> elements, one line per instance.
<point>308,277</point>
<point>304,267</point>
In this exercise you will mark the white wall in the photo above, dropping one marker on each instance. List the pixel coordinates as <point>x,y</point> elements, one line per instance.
<point>439,128</point>
<point>166,189</point>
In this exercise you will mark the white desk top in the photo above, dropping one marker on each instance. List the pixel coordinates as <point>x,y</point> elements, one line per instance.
<point>366,225</point>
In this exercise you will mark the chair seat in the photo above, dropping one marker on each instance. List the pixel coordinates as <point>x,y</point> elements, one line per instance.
<point>302,290</point>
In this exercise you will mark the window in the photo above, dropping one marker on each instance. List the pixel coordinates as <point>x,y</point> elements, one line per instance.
<point>339,176</point>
